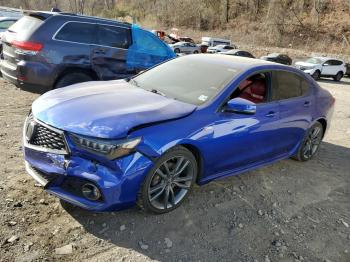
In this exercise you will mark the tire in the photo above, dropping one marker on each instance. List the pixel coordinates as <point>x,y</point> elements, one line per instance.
<point>177,51</point>
<point>338,76</point>
<point>316,75</point>
<point>311,143</point>
<point>171,188</point>
<point>72,78</point>
<point>195,52</point>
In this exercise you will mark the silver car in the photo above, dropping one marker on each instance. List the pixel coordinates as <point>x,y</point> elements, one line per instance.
<point>185,47</point>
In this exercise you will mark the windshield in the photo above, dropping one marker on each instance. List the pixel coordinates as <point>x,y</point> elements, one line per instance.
<point>192,79</point>
<point>313,61</point>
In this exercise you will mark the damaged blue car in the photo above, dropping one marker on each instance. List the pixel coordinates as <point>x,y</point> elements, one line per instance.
<point>47,50</point>
<point>149,139</point>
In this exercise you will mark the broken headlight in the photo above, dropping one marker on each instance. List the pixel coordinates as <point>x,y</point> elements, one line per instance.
<point>107,148</point>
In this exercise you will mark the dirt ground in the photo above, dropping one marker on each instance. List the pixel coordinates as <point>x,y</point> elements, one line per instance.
<point>289,211</point>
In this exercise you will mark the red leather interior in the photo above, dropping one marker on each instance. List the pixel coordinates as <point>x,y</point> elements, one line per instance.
<point>255,92</point>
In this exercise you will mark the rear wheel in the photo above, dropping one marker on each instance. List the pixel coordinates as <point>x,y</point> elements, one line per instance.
<point>72,78</point>
<point>311,143</point>
<point>316,75</point>
<point>338,76</point>
<point>195,51</point>
<point>169,182</point>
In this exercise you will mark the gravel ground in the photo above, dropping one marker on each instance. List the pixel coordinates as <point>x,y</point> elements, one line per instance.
<point>289,211</point>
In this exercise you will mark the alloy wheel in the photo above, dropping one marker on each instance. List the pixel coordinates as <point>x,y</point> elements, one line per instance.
<point>170,182</point>
<point>312,142</point>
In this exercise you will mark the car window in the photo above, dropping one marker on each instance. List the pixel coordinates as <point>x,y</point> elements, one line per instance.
<point>304,87</point>
<point>149,43</point>
<point>287,85</point>
<point>6,24</point>
<point>337,62</point>
<point>77,32</point>
<point>114,36</point>
<point>328,62</point>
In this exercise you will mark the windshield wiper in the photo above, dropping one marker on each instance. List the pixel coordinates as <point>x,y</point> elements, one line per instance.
<point>157,92</point>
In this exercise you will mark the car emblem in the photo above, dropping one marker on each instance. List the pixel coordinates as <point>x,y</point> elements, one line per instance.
<point>31,128</point>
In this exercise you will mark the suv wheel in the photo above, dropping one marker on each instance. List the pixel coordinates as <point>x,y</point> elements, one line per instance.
<point>72,78</point>
<point>316,75</point>
<point>338,76</point>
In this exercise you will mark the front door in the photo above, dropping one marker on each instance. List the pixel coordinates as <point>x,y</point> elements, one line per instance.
<point>109,55</point>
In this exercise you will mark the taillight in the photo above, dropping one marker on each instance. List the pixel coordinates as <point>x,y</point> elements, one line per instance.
<point>26,45</point>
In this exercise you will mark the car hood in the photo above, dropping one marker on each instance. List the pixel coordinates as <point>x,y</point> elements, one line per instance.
<point>301,63</point>
<point>105,109</point>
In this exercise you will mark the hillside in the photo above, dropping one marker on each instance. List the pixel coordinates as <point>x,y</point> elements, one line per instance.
<point>312,25</point>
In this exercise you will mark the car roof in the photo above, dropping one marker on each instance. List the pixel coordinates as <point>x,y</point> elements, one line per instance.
<point>9,18</point>
<point>47,14</point>
<point>232,61</point>
<point>324,58</point>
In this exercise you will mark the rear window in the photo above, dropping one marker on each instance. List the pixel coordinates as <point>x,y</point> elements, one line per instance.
<point>26,26</point>
<point>288,85</point>
<point>77,32</point>
<point>114,36</point>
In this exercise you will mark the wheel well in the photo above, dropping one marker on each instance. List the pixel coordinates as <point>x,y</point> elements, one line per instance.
<point>323,123</point>
<point>195,151</point>
<point>70,70</point>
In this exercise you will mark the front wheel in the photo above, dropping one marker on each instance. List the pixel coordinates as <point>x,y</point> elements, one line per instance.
<point>169,182</point>
<point>311,143</point>
<point>338,76</point>
<point>195,52</point>
<point>177,51</point>
<point>316,75</point>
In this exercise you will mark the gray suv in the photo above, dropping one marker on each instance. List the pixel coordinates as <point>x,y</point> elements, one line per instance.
<point>46,50</point>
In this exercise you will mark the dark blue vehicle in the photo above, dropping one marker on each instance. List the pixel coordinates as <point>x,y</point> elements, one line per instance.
<point>108,145</point>
<point>46,50</point>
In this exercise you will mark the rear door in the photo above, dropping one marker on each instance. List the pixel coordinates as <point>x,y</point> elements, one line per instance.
<point>295,102</point>
<point>109,54</point>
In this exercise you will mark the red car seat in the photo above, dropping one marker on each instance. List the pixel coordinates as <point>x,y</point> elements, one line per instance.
<point>255,92</point>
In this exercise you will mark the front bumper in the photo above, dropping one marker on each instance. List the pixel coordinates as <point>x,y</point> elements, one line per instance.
<point>118,182</point>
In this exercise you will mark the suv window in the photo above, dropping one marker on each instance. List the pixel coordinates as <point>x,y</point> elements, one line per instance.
<point>336,62</point>
<point>77,32</point>
<point>114,36</point>
<point>288,85</point>
<point>146,41</point>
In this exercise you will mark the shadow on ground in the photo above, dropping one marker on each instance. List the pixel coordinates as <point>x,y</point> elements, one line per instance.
<point>241,218</point>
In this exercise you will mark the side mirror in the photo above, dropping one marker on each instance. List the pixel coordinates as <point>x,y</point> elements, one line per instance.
<point>241,106</point>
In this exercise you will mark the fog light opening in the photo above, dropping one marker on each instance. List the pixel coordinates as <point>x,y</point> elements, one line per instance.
<point>91,192</point>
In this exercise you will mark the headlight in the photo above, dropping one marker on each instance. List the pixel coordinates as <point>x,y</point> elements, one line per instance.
<point>109,149</point>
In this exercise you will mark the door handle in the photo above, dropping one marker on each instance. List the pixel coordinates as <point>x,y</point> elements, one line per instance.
<point>270,114</point>
<point>307,103</point>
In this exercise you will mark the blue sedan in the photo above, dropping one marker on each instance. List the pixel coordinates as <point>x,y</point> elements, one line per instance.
<point>147,140</point>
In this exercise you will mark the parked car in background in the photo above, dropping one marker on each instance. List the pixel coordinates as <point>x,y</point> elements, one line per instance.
<point>236,52</point>
<point>45,50</point>
<point>323,67</point>
<point>347,65</point>
<point>109,145</point>
<point>220,48</point>
<point>5,23</point>
<point>185,47</point>
<point>211,41</point>
<point>278,58</point>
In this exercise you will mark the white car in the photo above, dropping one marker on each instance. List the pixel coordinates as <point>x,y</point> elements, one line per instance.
<point>323,67</point>
<point>220,48</point>
<point>186,48</point>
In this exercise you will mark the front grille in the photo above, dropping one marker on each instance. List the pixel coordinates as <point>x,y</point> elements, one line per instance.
<point>47,176</point>
<point>47,138</point>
